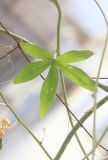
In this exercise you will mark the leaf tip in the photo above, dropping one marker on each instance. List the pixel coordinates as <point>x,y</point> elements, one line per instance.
<point>92,88</point>
<point>41,115</point>
<point>15,81</point>
<point>91,53</point>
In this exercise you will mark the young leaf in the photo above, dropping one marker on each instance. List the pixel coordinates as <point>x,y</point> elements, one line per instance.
<point>78,76</point>
<point>35,51</point>
<point>74,56</point>
<point>31,71</point>
<point>48,90</point>
<point>0,144</point>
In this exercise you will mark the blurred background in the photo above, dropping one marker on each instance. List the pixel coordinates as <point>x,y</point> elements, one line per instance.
<point>83,27</point>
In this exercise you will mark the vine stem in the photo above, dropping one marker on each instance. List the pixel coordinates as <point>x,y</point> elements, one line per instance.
<point>61,75</point>
<point>77,126</point>
<point>24,126</point>
<point>97,143</point>
<point>97,80</point>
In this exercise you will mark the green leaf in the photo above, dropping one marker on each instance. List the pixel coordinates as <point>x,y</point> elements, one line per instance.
<point>78,76</point>
<point>0,144</point>
<point>35,51</point>
<point>74,56</point>
<point>48,90</point>
<point>31,71</point>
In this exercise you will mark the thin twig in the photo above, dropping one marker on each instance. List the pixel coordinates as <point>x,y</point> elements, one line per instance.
<point>8,53</point>
<point>97,143</point>
<point>78,121</point>
<point>100,77</point>
<point>77,126</point>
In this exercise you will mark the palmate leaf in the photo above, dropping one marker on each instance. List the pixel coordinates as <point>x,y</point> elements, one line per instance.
<point>31,71</point>
<point>35,51</point>
<point>0,144</point>
<point>78,76</point>
<point>74,56</point>
<point>48,90</point>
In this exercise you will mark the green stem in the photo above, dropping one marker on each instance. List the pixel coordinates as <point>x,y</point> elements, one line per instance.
<point>61,75</point>
<point>58,24</point>
<point>77,126</point>
<point>14,36</point>
<point>27,129</point>
<point>97,79</point>
<point>97,143</point>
